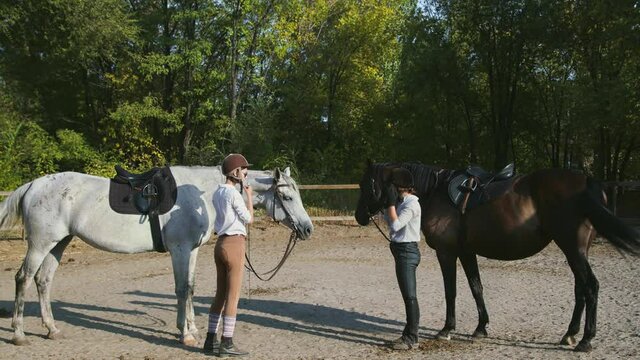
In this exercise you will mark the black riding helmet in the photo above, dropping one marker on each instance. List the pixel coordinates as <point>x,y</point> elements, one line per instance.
<point>402,178</point>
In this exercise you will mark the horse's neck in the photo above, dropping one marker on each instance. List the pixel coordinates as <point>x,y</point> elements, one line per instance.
<point>261,183</point>
<point>426,178</point>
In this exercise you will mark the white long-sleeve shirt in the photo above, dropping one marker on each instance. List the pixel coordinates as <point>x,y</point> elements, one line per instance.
<point>407,227</point>
<point>231,211</point>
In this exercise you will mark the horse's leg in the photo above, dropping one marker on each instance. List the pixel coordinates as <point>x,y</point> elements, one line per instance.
<point>448,268</point>
<point>586,293</point>
<point>588,233</point>
<point>574,325</point>
<point>180,259</point>
<point>44,278</point>
<point>191,322</point>
<point>470,266</point>
<point>24,278</point>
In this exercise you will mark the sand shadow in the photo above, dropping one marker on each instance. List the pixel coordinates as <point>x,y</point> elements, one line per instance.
<point>317,320</point>
<point>80,315</point>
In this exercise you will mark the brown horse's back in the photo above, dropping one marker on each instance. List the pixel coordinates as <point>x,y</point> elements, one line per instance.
<point>517,224</point>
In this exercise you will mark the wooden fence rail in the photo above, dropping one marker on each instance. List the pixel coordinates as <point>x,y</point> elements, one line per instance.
<point>614,190</point>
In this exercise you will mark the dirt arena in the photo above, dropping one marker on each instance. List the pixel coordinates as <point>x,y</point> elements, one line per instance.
<point>335,298</point>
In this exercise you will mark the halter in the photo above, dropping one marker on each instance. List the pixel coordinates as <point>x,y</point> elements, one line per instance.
<point>290,245</point>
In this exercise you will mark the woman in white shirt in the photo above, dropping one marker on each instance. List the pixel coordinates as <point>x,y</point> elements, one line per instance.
<point>232,216</point>
<point>403,217</point>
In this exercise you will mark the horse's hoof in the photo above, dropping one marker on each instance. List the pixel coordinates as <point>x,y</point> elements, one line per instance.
<point>442,335</point>
<point>480,334</point>
<point>568,340</point>
<point>189,340</point>
<point>583,347</point>
<point>55,335</point>
<point>20,341</point>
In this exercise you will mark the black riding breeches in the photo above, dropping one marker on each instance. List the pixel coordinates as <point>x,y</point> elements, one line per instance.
<point>407,258</point>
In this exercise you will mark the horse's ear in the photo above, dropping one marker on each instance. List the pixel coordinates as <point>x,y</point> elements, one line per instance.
<point>287,171</point>
<point>277,174</point>
<point>369,162</point>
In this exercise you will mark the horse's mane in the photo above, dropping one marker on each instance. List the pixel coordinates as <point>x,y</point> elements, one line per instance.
<point>425,177</point>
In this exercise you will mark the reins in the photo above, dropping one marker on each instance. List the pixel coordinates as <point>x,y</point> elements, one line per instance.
<point>288,250</point>
<point>290,245</point>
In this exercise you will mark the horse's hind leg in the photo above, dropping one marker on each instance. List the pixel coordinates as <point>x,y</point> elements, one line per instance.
<point>470,265</point>
<point>190,313</point>
<point>448,268</point>
<point>24,277</point>
<point>44,278</point>
<point>574,325</point>
<point>180,259</point>
<point>586,293</point>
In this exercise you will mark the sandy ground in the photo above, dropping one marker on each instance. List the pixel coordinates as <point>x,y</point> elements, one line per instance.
<point>336,298</point>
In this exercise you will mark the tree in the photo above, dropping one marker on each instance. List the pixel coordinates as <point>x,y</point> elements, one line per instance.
<point>607,37</point>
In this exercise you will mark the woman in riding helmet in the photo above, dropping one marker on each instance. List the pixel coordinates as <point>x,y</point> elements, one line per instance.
<point>232,216</point>
<point>403,217</point>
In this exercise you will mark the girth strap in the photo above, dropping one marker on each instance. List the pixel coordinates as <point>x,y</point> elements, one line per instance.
<point>156,233</point>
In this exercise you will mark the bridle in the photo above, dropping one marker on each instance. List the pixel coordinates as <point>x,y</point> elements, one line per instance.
<point>277,196</point>
<point>433,182</point>
<point>373,214</point>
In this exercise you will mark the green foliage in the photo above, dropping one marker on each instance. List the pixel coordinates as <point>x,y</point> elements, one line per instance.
<point>126,132</point>
<point>319,86</point>
<point>26,150</point>
<point>283,160</point>
<point>76,155</point>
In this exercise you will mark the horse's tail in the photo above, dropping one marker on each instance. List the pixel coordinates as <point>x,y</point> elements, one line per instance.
<point>10,211</point>
<point>609,226</point>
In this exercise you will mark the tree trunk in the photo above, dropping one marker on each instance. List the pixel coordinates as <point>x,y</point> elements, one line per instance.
<point>233,86</point>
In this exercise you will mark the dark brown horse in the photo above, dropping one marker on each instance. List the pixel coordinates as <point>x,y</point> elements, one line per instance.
<point>535,209</point>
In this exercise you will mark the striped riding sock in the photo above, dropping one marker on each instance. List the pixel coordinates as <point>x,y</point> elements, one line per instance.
<point>214,322</point>
<point>229,326</point>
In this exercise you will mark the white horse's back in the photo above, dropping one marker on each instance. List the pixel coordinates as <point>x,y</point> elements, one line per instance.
<point>69,203</point>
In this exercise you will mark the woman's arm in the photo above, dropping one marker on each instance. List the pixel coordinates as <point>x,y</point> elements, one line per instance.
<point>245,213</point>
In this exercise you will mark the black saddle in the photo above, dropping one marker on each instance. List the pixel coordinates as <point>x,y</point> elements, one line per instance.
<point>151,193</point>
<point>474,186</point>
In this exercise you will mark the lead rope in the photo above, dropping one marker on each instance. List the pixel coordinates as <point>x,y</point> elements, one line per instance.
<point>373,220</point>
<point>248,249</point>
<point>248,253</point>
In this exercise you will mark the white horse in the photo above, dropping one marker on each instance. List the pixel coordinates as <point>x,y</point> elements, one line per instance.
<point>57,207</point>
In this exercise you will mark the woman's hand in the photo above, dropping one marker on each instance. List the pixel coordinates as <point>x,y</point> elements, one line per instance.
<point>389,194</point>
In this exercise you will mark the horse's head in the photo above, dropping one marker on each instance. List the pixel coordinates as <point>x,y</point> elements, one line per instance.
<point>280,196</point>
<point>371,199</point>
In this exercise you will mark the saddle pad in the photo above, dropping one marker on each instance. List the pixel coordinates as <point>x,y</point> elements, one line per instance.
<point>121,196</point>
